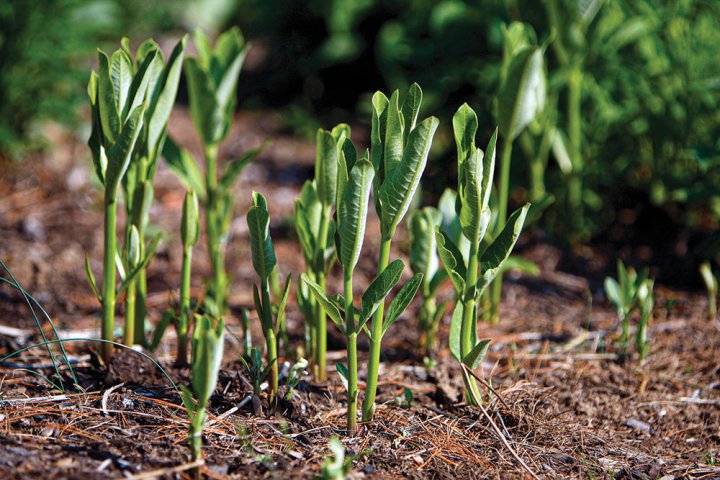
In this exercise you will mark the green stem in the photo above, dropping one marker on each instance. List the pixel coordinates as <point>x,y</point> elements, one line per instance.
<point>271,341</point>
<point>108,296</point>
<point>368,407</point>
<point>574,114</point>
<point>428,324</point>
<point>351,335</point>
<point>503,197</point>
<point>468,321</point>
<point>320,351</point>
<point>212,223</point>
<point>129,332</point>
<point>184,323</point>
<point>140,299</point>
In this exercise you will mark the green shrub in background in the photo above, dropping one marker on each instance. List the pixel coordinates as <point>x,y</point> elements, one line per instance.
<point>45,49</point>
<point>633,90</point>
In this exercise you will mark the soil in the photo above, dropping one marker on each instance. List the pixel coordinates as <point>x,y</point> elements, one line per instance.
<point>566,399</point>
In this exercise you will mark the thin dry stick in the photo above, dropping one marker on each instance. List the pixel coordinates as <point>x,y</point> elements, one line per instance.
<point>106,395</point>
<point>166,471</point>
<point>466,373</point>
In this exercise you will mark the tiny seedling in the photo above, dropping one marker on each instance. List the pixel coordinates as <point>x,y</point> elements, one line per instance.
<point>207,352</point>
<point>711,284</point>
<point>294,376</point>
<point>424,259</point>
<point>336,466</point>
<point>212,81</point>
<point>470,278</point>
<point>399,147</point>
<point>623,295</point>
<point>264,261</point>
<point>247,335</point>
<point>646,303</point>
<point>256,370</point>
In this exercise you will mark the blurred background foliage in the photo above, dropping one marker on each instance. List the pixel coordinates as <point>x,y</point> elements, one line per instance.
<point>650,84</point>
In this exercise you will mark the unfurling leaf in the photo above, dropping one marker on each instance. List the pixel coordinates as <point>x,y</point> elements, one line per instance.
<point>263,253</point>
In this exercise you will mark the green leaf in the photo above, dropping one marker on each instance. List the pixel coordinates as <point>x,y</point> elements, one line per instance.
<point>182,164</point>
<point>282,305</point>
<point>330,309</point>
<point>163,95</point>
<point>204,110</point>
<point>134,247</point>
<point>120,153</point>
<point>522,265</point>
<point>121,76</point>
<point>455,330</point>
<point>437,280</point>
<point>522,96</point>
<point>475,356</point>
<point>190,221</point>
<point>207,351</point>
<point>452,260</point>
<point>107,106</point>
<point>474,216</point>
<point>91,279</point>
<point>188,403</point>
<point>410,109</point>
<point>398,188</point>
<point>377,137</point>
<point>497,252</point>
<point>352,213</point>
<point>393,136</point>
<point>465,125</point>
<point>147,73</point>
<point>263,253</point>
<point>402,300</point>
<point>167,318</point>
<point>343,372</point>
<point>376,292</point>
<point>326,166</point>
<point>237,166</point>
<point>132,274</point>
<point>423,250</point>
<point>612,291</point>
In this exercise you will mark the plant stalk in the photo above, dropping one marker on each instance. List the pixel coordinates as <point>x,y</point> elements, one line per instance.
<point>108,296</point>
<point>184,324</point>
<point>271,342</point>
<point>212,224</point>
<point>130,299</point>
<point>468,322</point>
<point>351,335</point>
<point>428,324</point>
<point>368,407</point>
<point>574,114</point>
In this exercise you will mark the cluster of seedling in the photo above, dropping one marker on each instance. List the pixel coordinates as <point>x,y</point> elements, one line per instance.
<point>632,293</point>
<point>467,239</point>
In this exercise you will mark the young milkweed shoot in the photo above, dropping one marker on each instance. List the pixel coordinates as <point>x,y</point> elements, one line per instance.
<point>264,261</point>
<point>399,148</point>
<point>470,278</point>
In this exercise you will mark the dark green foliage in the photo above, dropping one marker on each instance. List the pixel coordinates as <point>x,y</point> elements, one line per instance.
<point>45,49</point>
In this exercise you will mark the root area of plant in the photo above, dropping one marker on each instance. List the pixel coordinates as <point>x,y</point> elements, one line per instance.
<point>565,398</point>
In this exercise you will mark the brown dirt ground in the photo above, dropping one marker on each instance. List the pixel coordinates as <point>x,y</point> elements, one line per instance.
<point>566,402</point>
